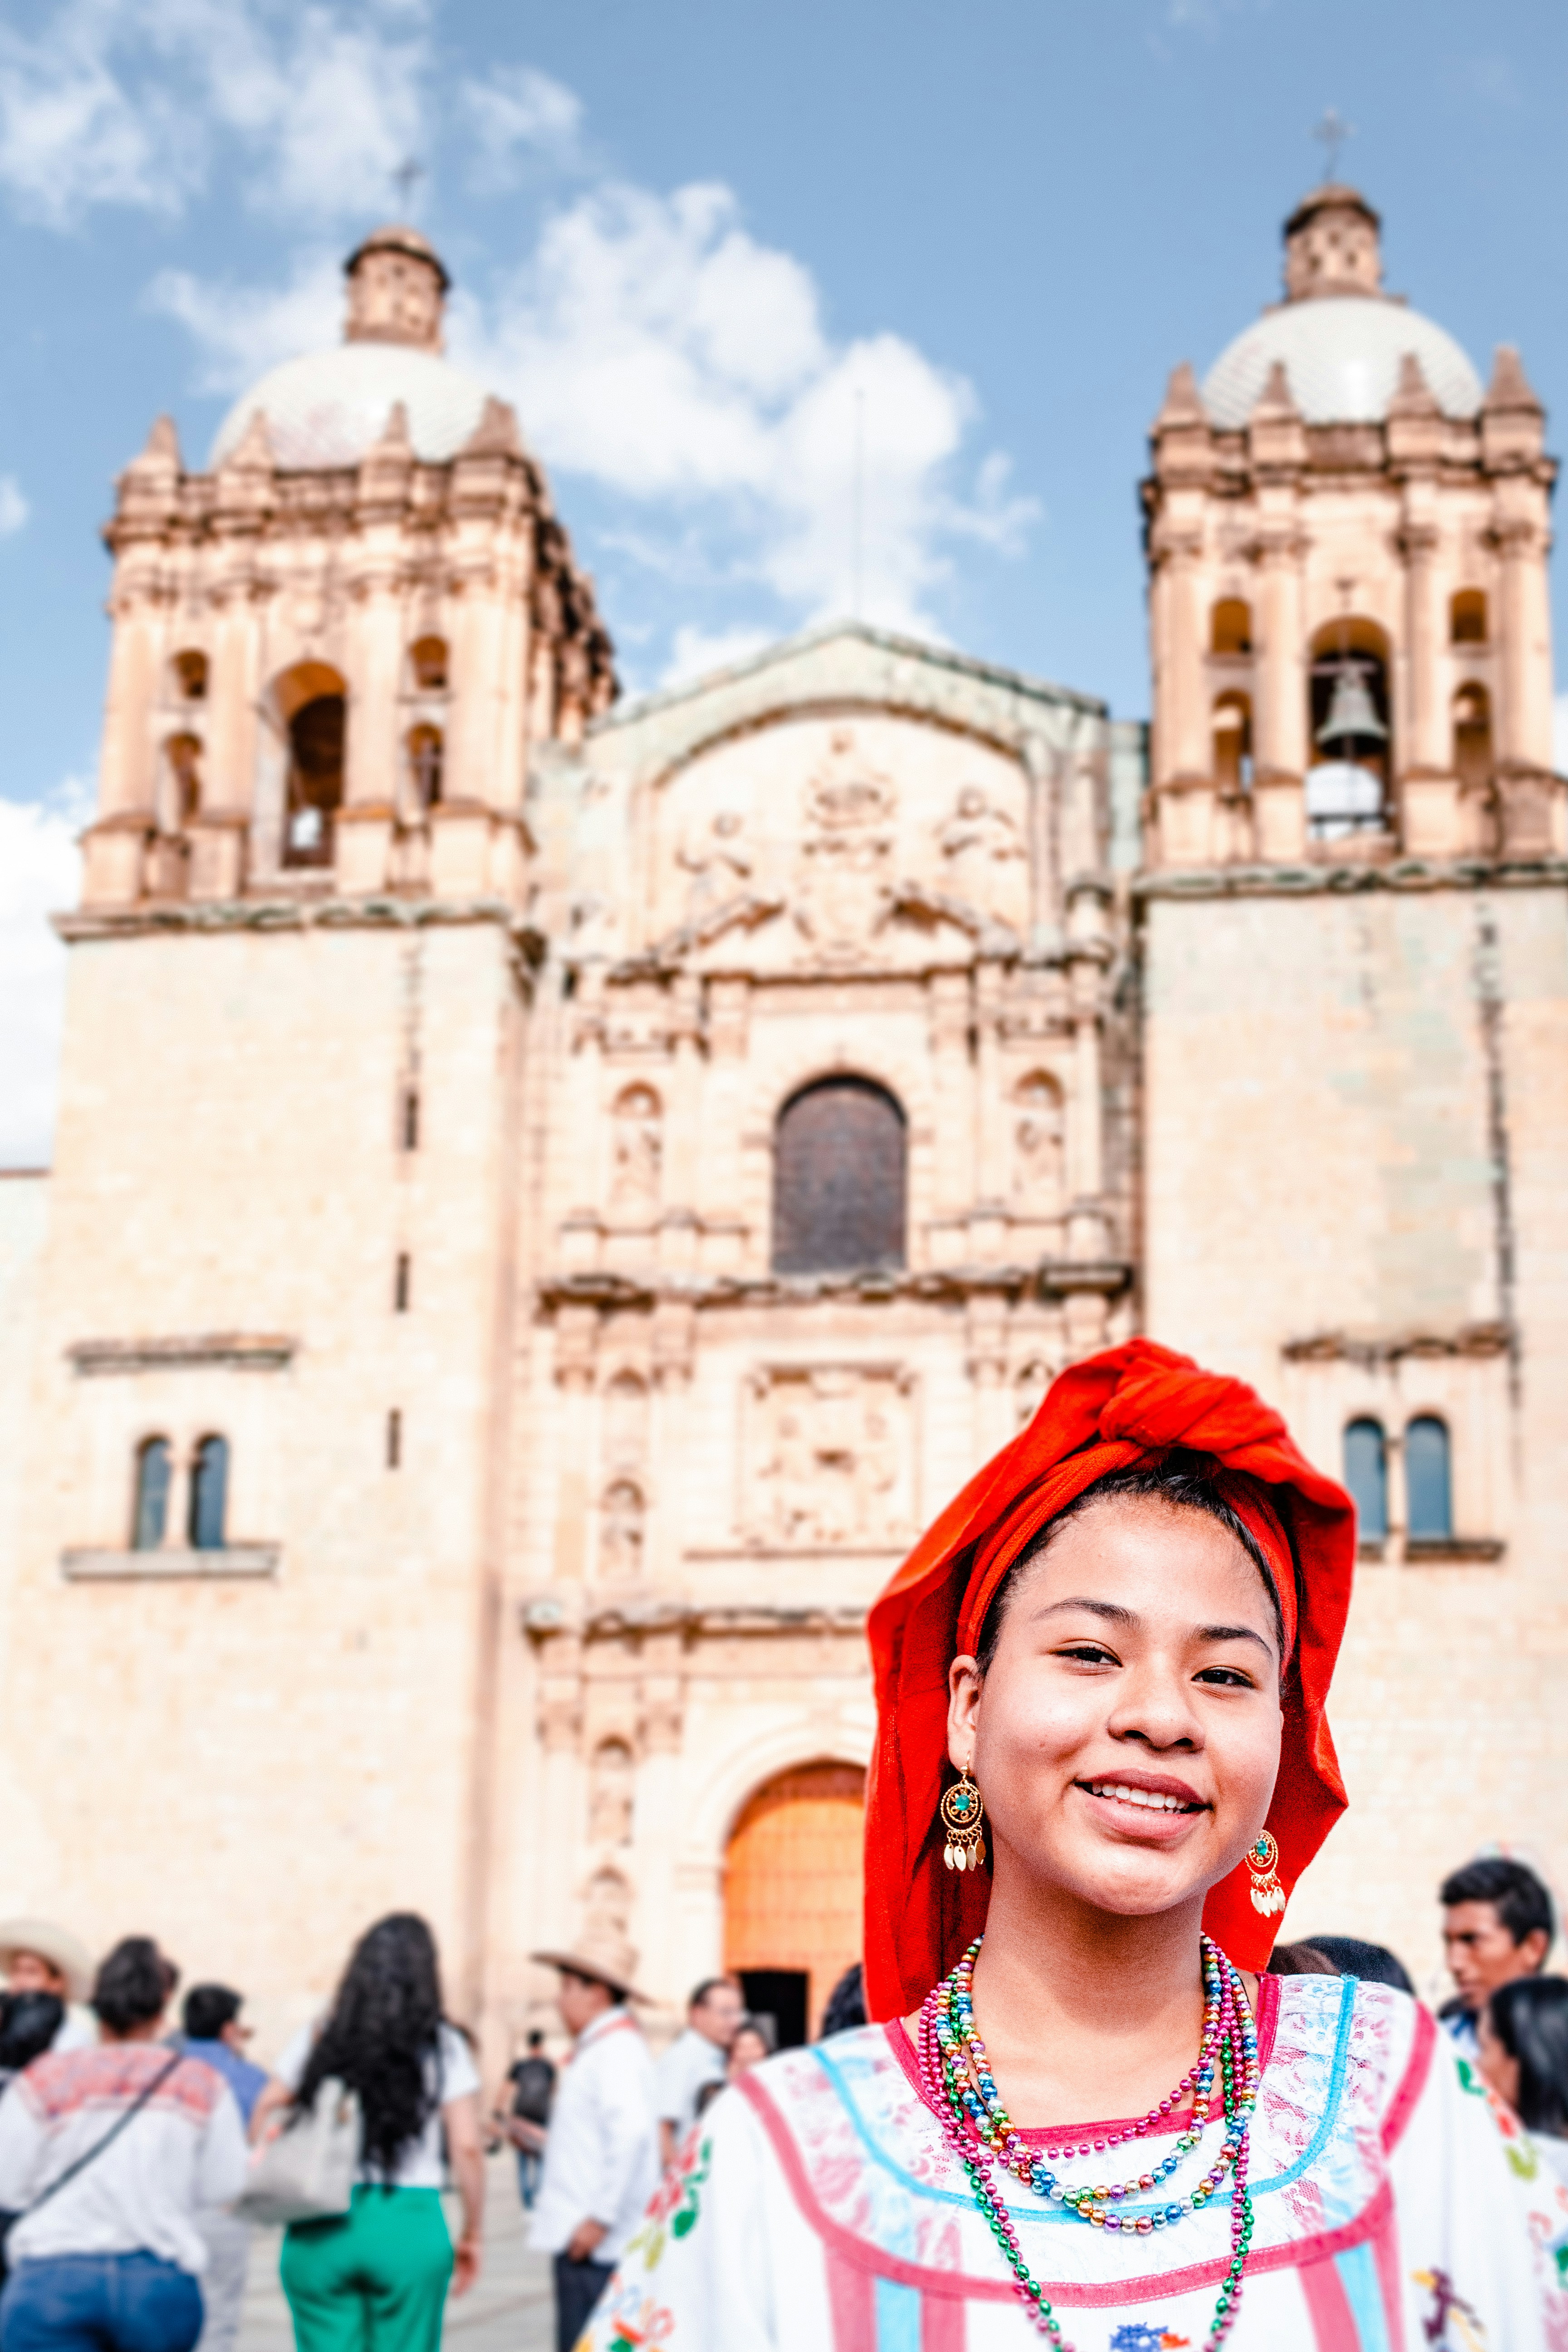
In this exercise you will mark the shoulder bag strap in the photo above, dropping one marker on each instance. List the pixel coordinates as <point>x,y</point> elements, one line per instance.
<point>119,2125</point>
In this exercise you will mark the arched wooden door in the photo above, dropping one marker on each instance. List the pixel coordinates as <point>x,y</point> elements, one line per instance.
<point>793,1881</point>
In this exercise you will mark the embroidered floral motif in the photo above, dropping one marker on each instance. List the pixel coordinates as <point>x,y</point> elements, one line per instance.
<point>636,2323</point>
<point>1449,2312</point>
<point>1137,2336</point>
<point>675,2207</point>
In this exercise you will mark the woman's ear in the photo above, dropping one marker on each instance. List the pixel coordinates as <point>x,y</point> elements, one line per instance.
<point>964,1684</point>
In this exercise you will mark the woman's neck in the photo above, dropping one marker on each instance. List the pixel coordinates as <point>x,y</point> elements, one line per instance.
<point>1085,2015</point>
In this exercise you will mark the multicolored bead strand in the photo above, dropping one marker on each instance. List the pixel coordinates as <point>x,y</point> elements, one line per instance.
<point>957,2076</point>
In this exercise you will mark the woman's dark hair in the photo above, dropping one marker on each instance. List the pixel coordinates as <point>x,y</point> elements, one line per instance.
<point>382,2037</point>
<point>28,2023</point>
<point>1300,1961</point>
<point>1184,1480</point>
<point>208,2008</point>
<point>846,2003</point>
<point>133,1985</point>
<point>1530,2018</point>
<point>1373,1963</point>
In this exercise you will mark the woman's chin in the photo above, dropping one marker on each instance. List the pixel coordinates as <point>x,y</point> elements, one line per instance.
<point>1134,1882</point>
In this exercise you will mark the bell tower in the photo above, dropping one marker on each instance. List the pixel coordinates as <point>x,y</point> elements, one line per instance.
<point>1347,543</point>
<point>334,649</point>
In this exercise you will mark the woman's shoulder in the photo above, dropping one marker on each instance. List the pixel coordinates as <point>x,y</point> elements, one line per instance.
<point>1342,2049</point>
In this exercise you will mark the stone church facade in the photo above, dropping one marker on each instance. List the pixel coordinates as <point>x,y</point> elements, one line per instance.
<point>551,1194</point>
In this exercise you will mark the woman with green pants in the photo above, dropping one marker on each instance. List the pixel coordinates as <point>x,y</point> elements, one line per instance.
<point>376,2279</point>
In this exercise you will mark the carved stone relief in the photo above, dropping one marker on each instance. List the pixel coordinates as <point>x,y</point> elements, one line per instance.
<point>844,884</point>
<point>637,1150</point>
<point>621,1541</point>
<point>719,862</point>
<point>610,1795</point>
<point>829,1456</point>
<point>625,1422</point>
<point>983,853</point>
<point>1039,1135</point>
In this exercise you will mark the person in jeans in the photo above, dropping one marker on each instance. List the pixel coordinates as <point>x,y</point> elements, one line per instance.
<point>110,2260</point>
<point>533,2080</point>
<point>215,2035</point>
<point>376,2279</point>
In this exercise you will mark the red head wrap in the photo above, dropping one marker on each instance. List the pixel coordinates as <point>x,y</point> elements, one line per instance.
<point>1115,1412</point>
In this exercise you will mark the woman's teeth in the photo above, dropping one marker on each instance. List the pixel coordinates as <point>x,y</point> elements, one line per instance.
<point>1151,1797</point>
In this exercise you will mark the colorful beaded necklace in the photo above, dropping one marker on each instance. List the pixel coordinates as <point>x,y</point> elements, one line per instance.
<point>959,2083</point>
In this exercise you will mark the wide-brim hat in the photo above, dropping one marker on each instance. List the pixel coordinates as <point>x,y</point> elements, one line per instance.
<point>603,1962</point>
<point>62,1950</point>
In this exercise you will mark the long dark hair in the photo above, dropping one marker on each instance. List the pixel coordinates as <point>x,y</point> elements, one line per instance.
<point>1530,2018</point>
<point>382,2036</point>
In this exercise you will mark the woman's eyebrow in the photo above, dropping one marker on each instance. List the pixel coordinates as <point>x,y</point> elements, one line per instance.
<point>1110,1610</point>
<point>1233,1634</point>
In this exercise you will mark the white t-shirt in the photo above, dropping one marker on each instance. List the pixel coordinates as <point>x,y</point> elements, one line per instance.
<point>184,2149</point>
<point>452,2076</point>
<point>690,2061</point>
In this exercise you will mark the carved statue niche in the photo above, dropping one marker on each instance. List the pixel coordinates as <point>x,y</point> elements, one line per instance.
<point>622,1538</point>
<point>980,843</point>
<point>844,884</point>
<point>637,1150</point>
<point>625,1422</point>
<point>1029,1388</point>
<point>719,862</point>
<point>1039,1144</point>
<point>610,1795</point>
<point>606,1914</point>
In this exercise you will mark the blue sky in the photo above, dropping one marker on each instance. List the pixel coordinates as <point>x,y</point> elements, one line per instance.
<point>704,243</point>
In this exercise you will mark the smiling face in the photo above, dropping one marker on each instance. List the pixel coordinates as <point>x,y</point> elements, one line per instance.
<point>1126,1734</point>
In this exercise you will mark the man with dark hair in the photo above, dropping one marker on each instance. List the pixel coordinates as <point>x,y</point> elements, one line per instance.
<point>533,2080</point>
<point>1497,1925</point>
<point>695,2058</point>
<point>213,2035</point>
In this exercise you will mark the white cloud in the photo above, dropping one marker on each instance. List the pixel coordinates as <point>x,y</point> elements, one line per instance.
<point>130,101</point>
<point>515,113</point>
<point>241,331</point>
<point>696,651</point>
<point>38,877</point>
<point>653,345</point>
<point>14,506</point>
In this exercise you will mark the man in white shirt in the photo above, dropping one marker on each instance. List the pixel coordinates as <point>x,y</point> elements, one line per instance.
<point>601,2158</point>
<point>695,2058</point>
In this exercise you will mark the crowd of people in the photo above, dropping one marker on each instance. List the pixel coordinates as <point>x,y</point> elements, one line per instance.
<point>124,2147</point>
<point>1102,1764</point>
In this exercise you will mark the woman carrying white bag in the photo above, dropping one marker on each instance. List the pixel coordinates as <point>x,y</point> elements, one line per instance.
<point>365,2101</point>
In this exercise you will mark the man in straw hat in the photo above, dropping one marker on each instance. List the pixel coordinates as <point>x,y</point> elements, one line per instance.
<point>601,2157</point>
<point>39,1957</point>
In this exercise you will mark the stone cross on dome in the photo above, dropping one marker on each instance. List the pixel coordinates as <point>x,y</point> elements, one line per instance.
<point>1331,130</point>
<point>397,289</point>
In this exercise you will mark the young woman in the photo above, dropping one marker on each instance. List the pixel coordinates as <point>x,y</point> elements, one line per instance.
<point>1089,2121</point>
<point>377,2280</point>
<point>1523,2038</point>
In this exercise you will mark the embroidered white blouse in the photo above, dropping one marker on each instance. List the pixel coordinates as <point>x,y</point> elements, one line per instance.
<point>818,2208</point>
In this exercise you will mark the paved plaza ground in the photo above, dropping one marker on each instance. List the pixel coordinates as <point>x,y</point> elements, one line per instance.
<point>508,2311</point>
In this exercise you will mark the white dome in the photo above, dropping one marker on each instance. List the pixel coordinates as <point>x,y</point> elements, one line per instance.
<point>328,408</point>
<point>1341,355</point>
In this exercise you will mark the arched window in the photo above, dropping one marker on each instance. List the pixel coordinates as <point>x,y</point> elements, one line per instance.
<point>1428,1499</point>
<point>427,660</point>
<point>311,701</point>
<point>1366,1475</point>
<point>209,1495</point>
<point>1351,742</point>
<point>1468,618</point>
<point>425,752</point>
<point>1230,627</point>
<point>839,1180</point>
<point>191,677</point>
<point>1233,743</point>
<point>637,1148</point>
<point>1473,737</point>
<point>149,1515</point>
<point>184,757</point>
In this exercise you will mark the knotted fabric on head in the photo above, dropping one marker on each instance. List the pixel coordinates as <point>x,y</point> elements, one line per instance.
<point>1122,1411</point>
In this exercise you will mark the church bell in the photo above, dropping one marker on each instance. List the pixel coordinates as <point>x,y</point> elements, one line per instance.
<point>1352,714</point>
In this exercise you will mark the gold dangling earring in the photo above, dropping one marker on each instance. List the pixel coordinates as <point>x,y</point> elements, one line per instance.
<point>962,1811</point>
<point>1268,1895</point>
